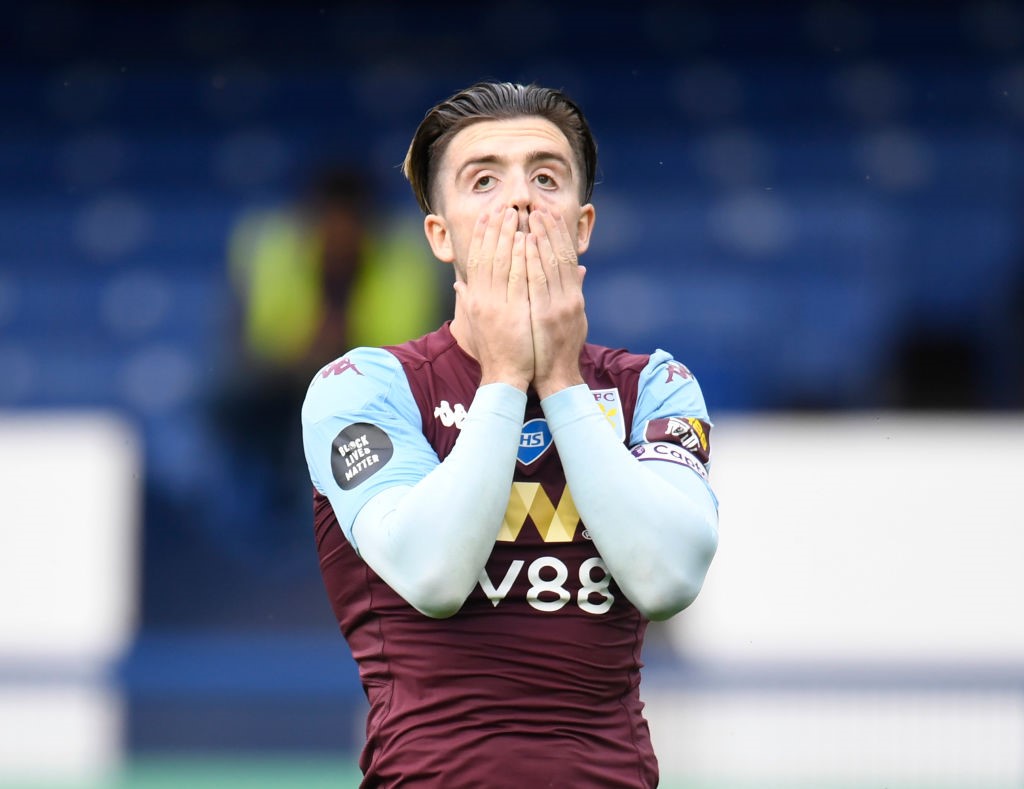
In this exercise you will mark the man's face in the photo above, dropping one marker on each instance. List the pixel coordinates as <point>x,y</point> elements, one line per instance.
<point>522,162</point>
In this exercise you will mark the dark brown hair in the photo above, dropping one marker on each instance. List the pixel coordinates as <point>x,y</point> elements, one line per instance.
<point>487,101</point>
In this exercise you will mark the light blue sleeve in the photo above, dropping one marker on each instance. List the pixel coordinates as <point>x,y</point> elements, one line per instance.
<point>666,389</point>
<point>362,431</point>
<point>670,409</point>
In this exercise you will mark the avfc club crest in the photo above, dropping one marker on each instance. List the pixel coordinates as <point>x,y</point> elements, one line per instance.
<point>611,407</point>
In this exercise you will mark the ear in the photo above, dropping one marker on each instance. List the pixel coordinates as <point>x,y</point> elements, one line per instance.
<point>438,237</point>
<point>584,227</point>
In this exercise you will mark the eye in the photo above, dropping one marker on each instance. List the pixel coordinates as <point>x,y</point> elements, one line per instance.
<point>484,182</point>
<point>546,181</point>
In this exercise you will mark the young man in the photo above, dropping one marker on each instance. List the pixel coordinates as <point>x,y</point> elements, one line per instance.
<point>501,507</point>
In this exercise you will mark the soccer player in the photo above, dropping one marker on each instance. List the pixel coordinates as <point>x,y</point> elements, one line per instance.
<point>501,507</point>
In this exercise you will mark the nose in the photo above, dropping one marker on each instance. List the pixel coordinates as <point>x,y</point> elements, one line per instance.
<point>524,217</point>
<point>519,198</point>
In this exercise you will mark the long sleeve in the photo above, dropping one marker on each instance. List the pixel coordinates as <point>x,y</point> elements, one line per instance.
<point>655,524</point>
<point>430,541</point>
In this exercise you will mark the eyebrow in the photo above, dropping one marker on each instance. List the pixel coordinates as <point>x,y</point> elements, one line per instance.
<point>534,157</point>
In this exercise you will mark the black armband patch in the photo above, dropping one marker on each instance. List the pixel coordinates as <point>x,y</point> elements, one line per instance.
<point>692,434</point>
<point>358,452</point>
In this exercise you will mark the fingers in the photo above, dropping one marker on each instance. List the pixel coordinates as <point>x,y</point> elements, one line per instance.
<point>536,275</point>
<point>501,259</point>
<point>556,250</point>
<point>518,278</point>
<point>475,256</point>
<point>538,265</point>
<point>491,242</point>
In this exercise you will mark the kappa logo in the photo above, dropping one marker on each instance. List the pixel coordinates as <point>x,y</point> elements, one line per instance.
<point>534,441</point>
<point>450,416</point>
<point>338,367</point>
<point>677,369</point>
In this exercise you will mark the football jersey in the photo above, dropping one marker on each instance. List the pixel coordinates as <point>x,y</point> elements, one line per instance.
<point>535,681</point>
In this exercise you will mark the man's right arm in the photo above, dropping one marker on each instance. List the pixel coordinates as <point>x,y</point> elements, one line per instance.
<point>425,527</point>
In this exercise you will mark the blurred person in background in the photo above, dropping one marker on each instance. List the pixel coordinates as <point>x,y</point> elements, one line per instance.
<point>937,368</point>
<point>309,281</point>
<point>500,507</point>
<point>966,365</point>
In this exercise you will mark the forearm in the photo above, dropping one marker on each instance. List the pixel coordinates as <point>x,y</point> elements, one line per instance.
<point>430,541</point>
<point>656,531</point>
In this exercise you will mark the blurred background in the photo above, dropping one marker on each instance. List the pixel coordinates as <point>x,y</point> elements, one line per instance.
<point>816,206</point>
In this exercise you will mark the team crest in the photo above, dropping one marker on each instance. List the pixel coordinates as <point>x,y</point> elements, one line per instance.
<point>611,408</point>
<point>534,441</point>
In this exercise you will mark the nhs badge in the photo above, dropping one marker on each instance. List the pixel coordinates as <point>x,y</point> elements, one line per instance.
<point>533,441</point>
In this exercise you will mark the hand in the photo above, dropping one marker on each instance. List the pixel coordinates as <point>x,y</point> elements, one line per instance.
<point>494,301</point>
<point>557,316</point>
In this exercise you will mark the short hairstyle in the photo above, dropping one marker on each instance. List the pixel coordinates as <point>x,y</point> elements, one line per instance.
<point>485,101</point>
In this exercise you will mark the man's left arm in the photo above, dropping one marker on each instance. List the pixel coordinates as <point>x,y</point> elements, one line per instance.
<point>649,509</point>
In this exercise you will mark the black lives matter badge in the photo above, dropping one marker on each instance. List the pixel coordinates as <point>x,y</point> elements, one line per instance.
<point>358,452</point>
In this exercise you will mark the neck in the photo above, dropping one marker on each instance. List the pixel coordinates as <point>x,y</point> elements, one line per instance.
<point>458,328</point>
